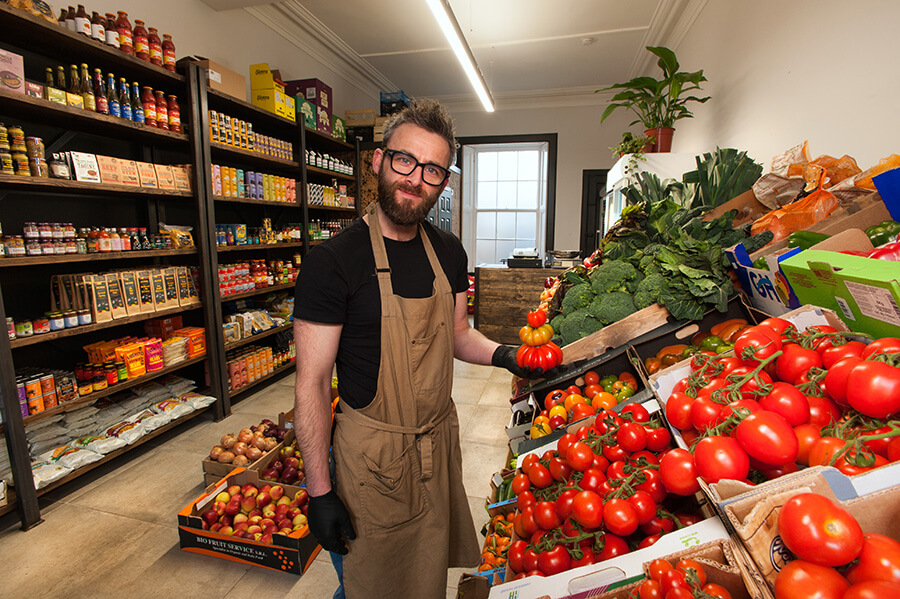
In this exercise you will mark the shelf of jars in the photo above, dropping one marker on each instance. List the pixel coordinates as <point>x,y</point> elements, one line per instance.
<point>253,338</point>
<point>234,200</point>
<point>8,262</point>
<point>323,141</point>
<point>257,291</point>
<point>259,246</point>
<point>275,372</point>
<point>44,184</point>
<point>249,156</point>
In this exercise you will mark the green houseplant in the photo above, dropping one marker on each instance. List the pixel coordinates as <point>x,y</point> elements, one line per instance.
<point>658,103</point>
<point>632,144</point>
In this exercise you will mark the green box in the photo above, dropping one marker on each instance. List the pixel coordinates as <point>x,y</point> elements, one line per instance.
<point>308,111</point>
<point>864,292</point>
<point>338,131</point>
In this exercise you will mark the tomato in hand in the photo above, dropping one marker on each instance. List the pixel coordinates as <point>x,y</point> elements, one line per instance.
<point>721,457</point>
<point>536,318</point>
<point>800,579</point>
<point>878,560</point>
<point>819,531</point>
<point>767,437</point>
<point>679,473</point>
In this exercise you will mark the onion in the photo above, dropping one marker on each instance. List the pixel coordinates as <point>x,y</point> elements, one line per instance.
<point>246,435</point>
<point>240,460</point>
<point>228,441</point>
<point>271,443</point>
<point>259,443</point>
<point>215,452</point>
<point>253,453</point>
<point>226,457</point>
<point>240,448</point>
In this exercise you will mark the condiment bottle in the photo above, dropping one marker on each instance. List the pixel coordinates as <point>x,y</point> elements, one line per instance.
<point>61,21</point>
<point>126,36</point>
<point>137,109</point>
<point>98,27</point>
<point>141,45</point>
<point>61,78</point>
<point>115,241</point>
<point>93,245</point>
<point>48,81</point>
<point>87,90</point>
<point>70,19</point>
<point>100,93</point>
<point>126,239</point>
<point>82,21</point>
<point>112,32</point>
<point>145,241</point>
<point>135,240</point>
<point>104,244</point>
<point>112,97</point>
<point>124,100</point>
<point>174,114</point>
<point>162,110</point>
<point>149,104</point>
<point>155,44</point>
<point>74,82</point>
<point>168,53</point>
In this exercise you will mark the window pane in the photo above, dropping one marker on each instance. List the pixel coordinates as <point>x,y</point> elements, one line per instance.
<point>528,195</point>
<point>487,166</point>
<point>506,194</point>
<point>506,226</point>
<point>486,225</point>
<point>506,166</point>
<point>487,195</point>
<point>526,226</point>
<point>505,249</point>
<point>529,162</point>
<point>485,252</point>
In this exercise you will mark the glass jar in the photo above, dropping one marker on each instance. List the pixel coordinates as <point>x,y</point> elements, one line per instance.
<point>6,163</point>
<point>33,247</point>
<point>15,246</point>
<point>30,230</point>
<point>34,147</point>
<point>168,52</point>
<point>20,164</point>
<point>155,45</point>
<point>140,41</point>
<point>45,231</point>
<point>126,34</point>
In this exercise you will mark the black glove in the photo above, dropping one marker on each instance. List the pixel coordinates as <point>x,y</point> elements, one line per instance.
<point>505,357</point>
<point>328,520</point>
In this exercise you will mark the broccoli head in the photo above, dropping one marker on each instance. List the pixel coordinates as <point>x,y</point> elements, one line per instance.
<point>578,324</point>
<point>556,323</point>
<point>651,285</point>
<point>576,297</point>
<point>642,299</point>
<point>612,307</point>
<point>613,275</point>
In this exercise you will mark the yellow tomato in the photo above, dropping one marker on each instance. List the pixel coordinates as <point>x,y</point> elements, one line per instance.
<point>604,400</point>
<point>559,411</point>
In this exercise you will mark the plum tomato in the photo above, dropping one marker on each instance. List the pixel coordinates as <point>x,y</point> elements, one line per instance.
<point>819,531</point>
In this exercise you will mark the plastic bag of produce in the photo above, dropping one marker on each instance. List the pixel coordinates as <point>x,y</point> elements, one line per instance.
<point>71,457</point>
<point>102,444</point>
<point>45,473</point>
<point>864,179</point>
<point>802,213</point>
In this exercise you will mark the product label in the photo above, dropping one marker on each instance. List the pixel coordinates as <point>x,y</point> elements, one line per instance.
<point>145,291</point>
<point>100,294</point>
<point>110,171</point>
<point>182,178</point>
<point>129,173</point>
<point>85,167</point>
<point>125,38</point>
<point>159,291</point>
<point>875,302</point>
<point>164,176</point>
<point>130,293</point>
<point>116,300</point>
<point>147,174</point>
<point>98,31</point>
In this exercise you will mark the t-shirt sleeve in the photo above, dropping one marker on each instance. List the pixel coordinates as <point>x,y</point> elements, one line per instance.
<point>460,281</point>
<point>320,294</point>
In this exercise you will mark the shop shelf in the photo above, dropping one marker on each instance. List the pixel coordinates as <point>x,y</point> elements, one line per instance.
<point>325,173</point>
<point>276,372</point>
<point>333,209</point>
<point>10,501</point>
<point>322,141</point>
<point>254,338</point>
<point>33,33</point>
<point>44,111</point>
<point>259,246</point>
<point>92,397</point>
<point>84,188</point>
<point>260,291</point>
<point>257,202</point>
<point>87,328</point>
<point>245,157</point>
<point>114,454</point>
<point>65,258</point>
<point>236,107</point>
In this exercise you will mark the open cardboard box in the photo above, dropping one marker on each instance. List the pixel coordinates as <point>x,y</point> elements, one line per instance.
<point>214,471</point>
<point>288,553</point>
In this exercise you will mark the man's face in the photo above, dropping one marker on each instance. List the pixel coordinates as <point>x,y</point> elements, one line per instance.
<point>406,199</point>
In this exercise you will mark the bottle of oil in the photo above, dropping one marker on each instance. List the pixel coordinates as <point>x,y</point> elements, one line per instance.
<point>87,90</point>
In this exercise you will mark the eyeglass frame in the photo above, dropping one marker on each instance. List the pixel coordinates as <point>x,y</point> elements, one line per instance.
<point>391,153</point>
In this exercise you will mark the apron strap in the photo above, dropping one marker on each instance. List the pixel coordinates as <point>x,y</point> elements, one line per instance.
<point>424,432</point>
<point>382,266</point>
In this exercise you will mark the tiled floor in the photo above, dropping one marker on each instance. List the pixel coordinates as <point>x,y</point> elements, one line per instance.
<point>112,532</point>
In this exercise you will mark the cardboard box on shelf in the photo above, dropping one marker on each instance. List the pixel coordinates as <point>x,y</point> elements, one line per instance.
<point>268,99</point>
<point>338,131</point>
<point>315,91</point>
<point>359,118</point>
<point>306,112</point>
<point>288,108</point>
<point>12,71</point>
<point>262,77</point>
<point>292,553</point>
<point>323,121</point>
<point>220,78</point>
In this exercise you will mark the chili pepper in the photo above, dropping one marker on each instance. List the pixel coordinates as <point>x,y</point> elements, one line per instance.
<point>805,239</point>
<point>883,232</point>
<point>890,251</point>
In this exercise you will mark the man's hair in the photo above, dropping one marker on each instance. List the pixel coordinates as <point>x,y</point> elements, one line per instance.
<point>428,114</point>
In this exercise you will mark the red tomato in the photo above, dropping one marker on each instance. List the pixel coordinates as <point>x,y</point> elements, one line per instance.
<point>580,456</point>
<point>536,318</point>
<point>545,515</point>
<point>678,410</point>
<point>638,412</point>
<point>679,473</point>
<point>658,438</point>
<point>756,343</point>
<point>528,461</point>
<point>836,379</point>
<point>787,401</point>
<point>680,593</point>
<point>564,442</point>
<point>565,503</point>
<point>588,509</point>
<point>530,561</point>
<point>657,567</point>
<point>822,411</point>
<point>716,590</point>
<point>539,476</point>
<point>803,580</point>
<point>713,385</point>
<point>614,453</point>
<point>673,579</point>
<point>807,435</point>
<point>573,390</point>
<point>650,589</point>
<point>591,377</point>
<point>613,546</point>
<point>528,523</point>
<point>591,390</point>
<point>879,446</point>
<point>524,500</point>
<point>818,530</point>
<point>823,451</point>
<point>514,555</point>
<point>750,389</point>
<point>705,413</point>
<point>644,506</point>
<point>688,564</point>
<point>658,525</point>
<point>653,486</point>
<point>878,560</point>
<point>520,483</point>
<point>631,437</point>
<point>795,361</point>
<point>893,452</point>
<point>554,561</point>
<point>835,353</point>
<point>885,345</point>
<point>779,325</point>
<point>872,589</point>
<point>852,464</point>
<point>721,457</point>
<point>620,517</point>
<point>821,342</point>
<point>873,388</point>
<point>557,396</point>
<point>767,437</point>
<point>734,407</point>
<point>560,469</point>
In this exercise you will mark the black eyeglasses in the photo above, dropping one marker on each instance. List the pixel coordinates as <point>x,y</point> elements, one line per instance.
<point>404,164</point>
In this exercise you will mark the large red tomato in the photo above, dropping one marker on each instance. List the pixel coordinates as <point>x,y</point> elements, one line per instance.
<point>678,410</point>
<point>588,509</point>
<point>822,411</point>
<point>833,354</point>
<point>872,589</point>
<point>787,401</point>
<point>885,345</point>
<point>803,580</point>
<point>721,457</point>
<point>756,343</point>
<point>818,530</point>
<point>836,379</point>
<point>554,561</point>
<point>873,388</point>
<point>795,361</point>
<point>679,473</point>
<point>878,560</point>
<point>768,437</point>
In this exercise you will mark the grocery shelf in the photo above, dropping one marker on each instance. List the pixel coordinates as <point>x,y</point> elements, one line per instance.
<point>333,209</point>
<point>253,338</point>
<point>327,173</point>
<point>259,246</point>
<point>39,109</point>
<point>321,139</point>
<point>64,258</point>
<point>248,111</point>
<point>259,291</point>
<point>249,156</point>
<point>10,501</point>
<point>27,31</point>
<point>114,454</point>
<point>255,201</point>
<point>83,187</point>
<point>280,370</point>
<point>87,328</point>
<point>68,406</point>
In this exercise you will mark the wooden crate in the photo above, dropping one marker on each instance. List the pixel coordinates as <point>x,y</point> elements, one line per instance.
<point>503,296</point>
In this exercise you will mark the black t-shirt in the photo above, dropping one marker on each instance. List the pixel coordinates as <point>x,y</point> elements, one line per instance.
<point>337,285</point>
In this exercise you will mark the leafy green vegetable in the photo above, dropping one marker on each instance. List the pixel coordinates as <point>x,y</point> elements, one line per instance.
<point>721,176</point>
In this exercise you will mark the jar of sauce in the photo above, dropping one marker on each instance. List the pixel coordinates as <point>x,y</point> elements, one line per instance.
<point>20,164</point>
<point>174,114</point>
<point>6,163</point>
<point>155,45</point>
<point>140,41</point>
<point>112,31</point>
<point>162,110</point>
<point>148,101</point>
<point>168,53</point>
<point>126,35</point>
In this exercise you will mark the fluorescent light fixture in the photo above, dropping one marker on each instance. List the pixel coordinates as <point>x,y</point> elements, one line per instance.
<point>447,20</point>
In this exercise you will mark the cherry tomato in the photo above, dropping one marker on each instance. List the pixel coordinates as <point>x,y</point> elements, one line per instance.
<point>804,580</point>
<point>644,506</point>
<point>553,398</point>
<point>678,410</point>
<point>779,325</point>
<point>631,437</point>
<point>716,590</point>
<point>580,456</point>
<point>818,530</point>
<point>650,589</point>
<point>787,401</point>
<point>673,579</point>
<point>795,361</point>
<point>528,461</point>
<point>658,525</point>
<point>614,453</point>
<point>721,457</point>
<point>768,437</point>
<point>565,503</point>
<point>591,377</point>
<point>878,560</point>
<point>620,517</point>
<point>653,486</point>
<point>679,473</point>
<point>688,564</point>
<point>523,500</point>
<point>638,412</point>
<point>756,343</point>
<point>657,567</point>
<point>613,546</point>
<point>587,509</point>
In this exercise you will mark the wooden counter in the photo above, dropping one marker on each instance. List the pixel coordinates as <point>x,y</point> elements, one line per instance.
<point>503,296</point>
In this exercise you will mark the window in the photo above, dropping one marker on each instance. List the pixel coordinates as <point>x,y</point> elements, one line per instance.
<point>505,199</point>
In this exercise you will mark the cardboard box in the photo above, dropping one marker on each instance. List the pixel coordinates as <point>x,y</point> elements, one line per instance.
<point>748,209</point>
<point>165,176</point>
<point>306,112</point>
<point>359,118</point>
<point>313,90</point>
<point>338,131</point>
<point>147,174</point>
<point>268,99</point>
<point>323,121</point>
<point>767,289</point>
<point>262,77</point>
<point>110,171</point>
<point>865,292</point>
<point>12,72</point>
<point>85,167</point>
<point>222,79</point>
<point>130,174</point>
<point>292,553</point>
<point>288,109</point>
<point>35,90</point>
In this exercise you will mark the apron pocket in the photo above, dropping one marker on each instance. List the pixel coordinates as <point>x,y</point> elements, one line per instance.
<point>392,494</point>
<point>427,361</point>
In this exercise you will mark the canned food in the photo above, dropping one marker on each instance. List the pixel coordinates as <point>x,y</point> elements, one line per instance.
<point>24,329</point>
<point>33,388</point>
<point>10,327</point>
<point>36,405</point>
<point>40,325</point>
<point>50,400</point>
<point>34,147</point>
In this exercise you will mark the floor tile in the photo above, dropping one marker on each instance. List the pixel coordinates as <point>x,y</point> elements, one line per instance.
<point>272,400</point>
<point>488,426</point>
<point>464,413</point>
<point>318,582</point>
<point>496,394</point>
<point>471,371</point>
<point>480,461</point>
<point>467,391</point>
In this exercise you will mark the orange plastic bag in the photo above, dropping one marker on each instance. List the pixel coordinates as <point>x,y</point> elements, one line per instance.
<point>801,214</point>
<point>864,179</point>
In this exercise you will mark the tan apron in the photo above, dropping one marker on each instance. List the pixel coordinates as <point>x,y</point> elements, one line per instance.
<point>398,462</point>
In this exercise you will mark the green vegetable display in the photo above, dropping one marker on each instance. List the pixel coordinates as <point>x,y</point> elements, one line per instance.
<point>883,232</point>
<point>805,239</point>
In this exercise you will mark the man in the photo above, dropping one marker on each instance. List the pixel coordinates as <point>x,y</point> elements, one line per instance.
<point>385,299</point>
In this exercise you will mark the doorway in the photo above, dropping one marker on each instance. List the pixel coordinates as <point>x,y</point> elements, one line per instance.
<point>593,192</point>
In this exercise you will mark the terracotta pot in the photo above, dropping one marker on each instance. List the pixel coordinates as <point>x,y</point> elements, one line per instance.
<point>663,137</point>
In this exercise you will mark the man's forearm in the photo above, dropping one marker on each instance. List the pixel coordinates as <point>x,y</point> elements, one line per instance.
<point>312,427</point>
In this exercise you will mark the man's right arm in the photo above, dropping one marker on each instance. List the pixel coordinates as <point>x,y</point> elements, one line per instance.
<point>317,346</point>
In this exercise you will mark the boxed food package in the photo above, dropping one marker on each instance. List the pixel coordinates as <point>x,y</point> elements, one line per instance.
<point>220,78</point>
<point>313,90</point>
<point>306,111</point>
<point>323,121</point>
<point>12,72</point>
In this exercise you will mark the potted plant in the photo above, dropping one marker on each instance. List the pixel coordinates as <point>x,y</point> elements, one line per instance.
<point>633,145</point>
<point>658,103</point>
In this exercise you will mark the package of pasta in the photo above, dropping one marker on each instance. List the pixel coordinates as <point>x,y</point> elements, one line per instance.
<point>127,431</point>
<point>102,444</point>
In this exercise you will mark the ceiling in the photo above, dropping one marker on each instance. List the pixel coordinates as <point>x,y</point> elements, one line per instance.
<point>525,49</point>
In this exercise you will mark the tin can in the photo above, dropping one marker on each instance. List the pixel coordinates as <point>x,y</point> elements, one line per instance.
<point>33,388</point>
<point>36,405</point>
<point>23,399</point>
<point>84,317</point>
<point>10,327</point>
<point>50,400</point>
<point>24,329</point>
<point>57,322</point>
<point>70,317</point>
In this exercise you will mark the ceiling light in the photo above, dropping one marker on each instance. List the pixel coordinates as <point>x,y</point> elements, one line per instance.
<point>447,20</point>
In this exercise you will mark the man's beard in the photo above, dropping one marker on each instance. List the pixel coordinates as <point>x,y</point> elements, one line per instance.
<point>401,211</point>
